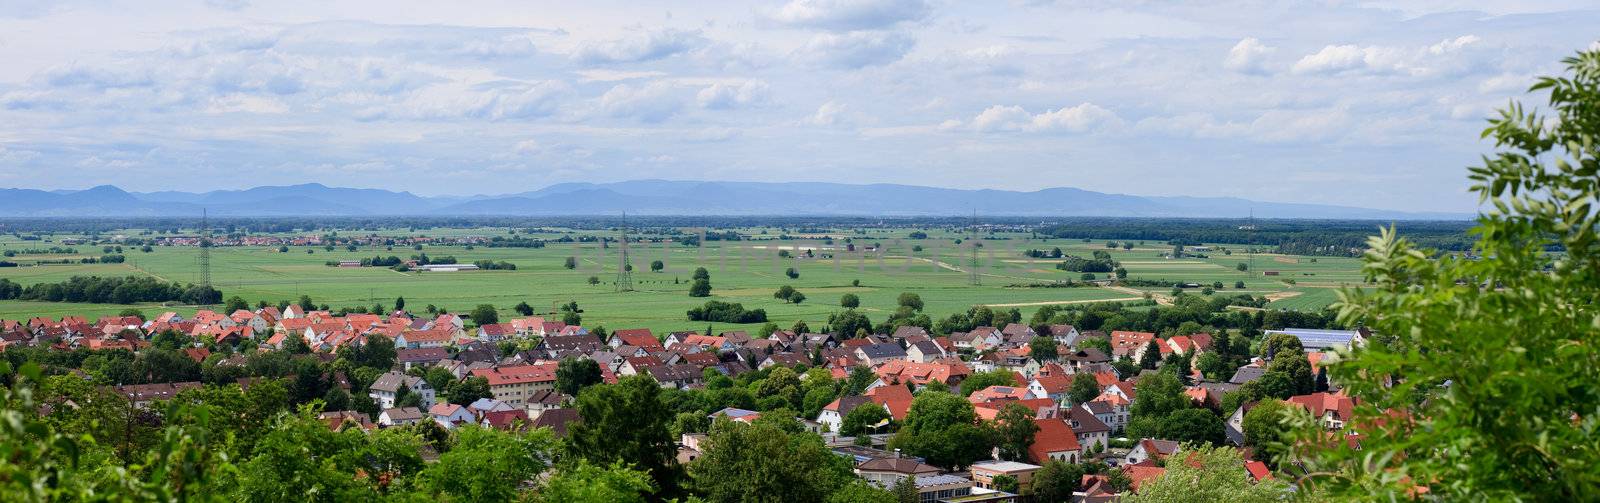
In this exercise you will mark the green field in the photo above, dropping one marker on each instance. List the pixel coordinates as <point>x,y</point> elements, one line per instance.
<point>741,271</point>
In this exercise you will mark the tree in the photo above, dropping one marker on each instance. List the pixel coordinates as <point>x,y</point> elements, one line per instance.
<point>575,374</point>
<point>487,465</point>
<point>570,263</point>
<point>469,390</point>
<point>399,303</point>
<point>1056,481</point>
<point>235,303</point>
<point>1005,483</point>
<point>1209,474</point>
<point>1297,368</point>
<point>848,323</point>
<point>1157,395</point>
<point>700,288</point>
<point>1151,357</point>
<point>849,301</point>
<point>940,428</point>
<point>1014,431</point>
<point>1193,425</point>
<point>1269,430</point>
<point>797,298</point>
<point>701,273</point>
<point>1042,348</point>
<point>485,314</point>
<point>1280,343</point>
<point>623,423</point>
<point>862,419</point>
<point>594,280</point>
<point>1084,388</point>
<point>784,292</point>
<point>522,308</point>
<point>792,273</point>
<point>587,483</point>
<point>911,300</point>
<point>657,265</point>
<point>763,463</point>
<point>981,380</point>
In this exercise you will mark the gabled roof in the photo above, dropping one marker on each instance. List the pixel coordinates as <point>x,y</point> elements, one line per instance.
<point>518,374</point>
<point>884,350</point>
<point>558,420</point>
<point>1083,421</point>
<point>1320,404</point>
<point>1054,435</point>
<point>403,413</point>
<point>895,397</point>
<point>904,466</point>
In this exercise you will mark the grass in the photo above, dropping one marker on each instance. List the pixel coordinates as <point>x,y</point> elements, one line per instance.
<point>745,271</point>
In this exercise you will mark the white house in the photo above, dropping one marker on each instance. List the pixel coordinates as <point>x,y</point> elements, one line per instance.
<point>387,386</point>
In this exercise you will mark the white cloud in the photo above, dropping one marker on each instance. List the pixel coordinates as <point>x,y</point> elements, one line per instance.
<point>1248,56</point>
<point>648,45</point>
<point>652,102</point>
<point>845,15</point>
<point>1075,119</point>
<point>828,114</point>
<point>1335,59</point>
<point>728,95</point>
<point>856,50</point>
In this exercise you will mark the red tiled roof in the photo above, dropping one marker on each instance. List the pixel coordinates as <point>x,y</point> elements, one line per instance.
<point>1054,435</point>
<point>518,374</point>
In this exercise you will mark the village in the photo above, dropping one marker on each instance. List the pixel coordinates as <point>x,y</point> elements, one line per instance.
<point>1081,404</point>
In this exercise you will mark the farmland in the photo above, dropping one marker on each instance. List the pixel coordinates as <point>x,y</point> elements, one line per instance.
<point>746,271</point>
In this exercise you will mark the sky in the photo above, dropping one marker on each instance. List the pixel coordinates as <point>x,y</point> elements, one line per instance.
<point>1371,104</point>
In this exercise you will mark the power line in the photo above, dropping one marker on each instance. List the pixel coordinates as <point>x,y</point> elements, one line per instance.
<point>205,252</point>
<point>972,268</point>
<point>624,269</point>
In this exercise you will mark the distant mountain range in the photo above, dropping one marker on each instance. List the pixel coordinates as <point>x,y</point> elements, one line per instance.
<point>663,197</point>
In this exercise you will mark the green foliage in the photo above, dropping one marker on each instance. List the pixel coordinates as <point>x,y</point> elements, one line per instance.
<point>623,423</point>
<point>1056,481</point>
<point>1158,395</point>
<point>587,483</point>
<point>469,390</point>
<point>1084,388</point>
<point>1193,425</point>
<point>487,465</point>
<point>981,380</point>
<point>940,428</point>
<point>1268,430</point>
<point>761,463</point>
<point>1042,348</point>
<point>1488,361</point>
<point>726,312</point>
<point>849,301</point>
<point>700,288</point>
<point>1219,477</point>
<point>485,314</point>
<point>861,419</point>
<point>1014,430</point>
<point>575,374</point>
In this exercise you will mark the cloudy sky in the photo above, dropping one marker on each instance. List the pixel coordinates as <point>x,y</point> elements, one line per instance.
<point>1358,103</point>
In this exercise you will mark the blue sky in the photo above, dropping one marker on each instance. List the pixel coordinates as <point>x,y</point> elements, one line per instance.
<point>1359,103</point>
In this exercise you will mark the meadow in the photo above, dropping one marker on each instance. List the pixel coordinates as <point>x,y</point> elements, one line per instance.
<point>746,271</point>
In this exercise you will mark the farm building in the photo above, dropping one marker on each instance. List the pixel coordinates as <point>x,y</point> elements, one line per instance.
<point>447,267</point>
<point>1316,340</point>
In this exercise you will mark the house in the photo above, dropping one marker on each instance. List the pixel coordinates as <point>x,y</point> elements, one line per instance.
<point>783,359</point>
<point>411,357</point>
<point>995,393</point>
<point>910,333</point>
<point>1085,357</point>
<point>482,405</point>
<point>449,415</point>
<point>1089,429</point>
<point>886,472</point>
<point>1234,426</point>
<point>1246,374</point>
<point>1053,386</point>
<point>1111,410</point>
<point>1151,449</point>
<point>574,344</point>
<point>983,473</point>
<point>387,386</point>
<point>401,416</point>
<point>338,420</point>
<point>509,420</point>
<point>879,354</point>
<point>678,376</point>
<point>985,337</point>
<point>496,332</point>
<point>895,398</point>
<point>1054,440</point>
<point>1333,410</point>
<point>1183,344</point>
<point>1066,335</point>
<point>431,338</point>
<point>514,384</point>
<point>544,400</point>
<point>1017,334</point>
<point>142,395</point>
<point>949,371</point>
<point>832,415</point>
<point>557,420</point>
<point>1130,344</point>
<point>924,351</point>
<point>637,337</point>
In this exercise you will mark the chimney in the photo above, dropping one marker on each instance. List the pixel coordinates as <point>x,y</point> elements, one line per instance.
<point>897,453</point>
